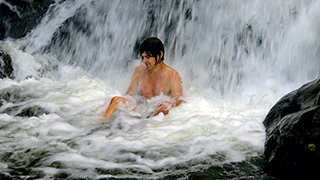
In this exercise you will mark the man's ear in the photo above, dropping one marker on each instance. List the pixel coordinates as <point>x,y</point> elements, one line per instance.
<point>161,56</point>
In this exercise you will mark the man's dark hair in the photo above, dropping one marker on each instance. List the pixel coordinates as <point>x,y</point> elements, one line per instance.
<point>153,47</point>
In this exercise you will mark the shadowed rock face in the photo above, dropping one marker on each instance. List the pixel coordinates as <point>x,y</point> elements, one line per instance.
<point>18,17</point>
<point>292,145</point>
<point>6,69</point>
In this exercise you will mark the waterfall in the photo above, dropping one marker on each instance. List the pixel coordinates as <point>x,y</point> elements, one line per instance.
<point>243,47</point>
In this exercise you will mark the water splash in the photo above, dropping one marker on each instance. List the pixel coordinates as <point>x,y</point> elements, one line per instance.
<point>244,47</point>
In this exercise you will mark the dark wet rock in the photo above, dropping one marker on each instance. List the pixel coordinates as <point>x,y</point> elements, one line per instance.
<point>6,70</point>
<point>11,100</point>
<point>33,111</point>
<point>18,17</point>
<point>292,147</point>
<point>249,169</point>
<point>15,97</point>
<point>4,176</point>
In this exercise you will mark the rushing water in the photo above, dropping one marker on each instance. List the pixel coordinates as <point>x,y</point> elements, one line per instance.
<point>236,58</point>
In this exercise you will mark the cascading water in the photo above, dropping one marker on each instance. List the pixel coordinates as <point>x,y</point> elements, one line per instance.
<point>236,58</point>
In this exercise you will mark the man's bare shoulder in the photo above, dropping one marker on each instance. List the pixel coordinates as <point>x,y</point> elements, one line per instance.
<point>139,69</point>
<point>172,72</point>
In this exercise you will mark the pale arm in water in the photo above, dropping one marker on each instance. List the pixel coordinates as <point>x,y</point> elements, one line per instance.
<point>133,88</point>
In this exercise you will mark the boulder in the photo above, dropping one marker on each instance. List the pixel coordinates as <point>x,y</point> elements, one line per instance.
<point>18,17</point>
<point>292,147</point>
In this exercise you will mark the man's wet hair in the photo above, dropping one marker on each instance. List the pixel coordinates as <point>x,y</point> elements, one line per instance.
<point>153,47</point>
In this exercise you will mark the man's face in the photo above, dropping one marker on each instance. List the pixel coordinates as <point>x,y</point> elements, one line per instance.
<point>149,61</point>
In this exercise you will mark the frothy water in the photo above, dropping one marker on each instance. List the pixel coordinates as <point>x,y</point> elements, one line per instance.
<point>236,58</point>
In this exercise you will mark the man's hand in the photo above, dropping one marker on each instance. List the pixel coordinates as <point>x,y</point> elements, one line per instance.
<point>164,107</point>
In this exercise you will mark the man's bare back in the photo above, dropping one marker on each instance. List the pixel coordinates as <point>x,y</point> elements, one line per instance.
<point>151,79</point>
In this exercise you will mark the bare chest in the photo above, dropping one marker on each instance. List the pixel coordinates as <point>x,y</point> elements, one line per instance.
<point>154,86</point>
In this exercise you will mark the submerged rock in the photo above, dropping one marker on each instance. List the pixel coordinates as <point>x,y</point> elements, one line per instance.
<point>6,69</point>
<point>292,147</point>
<point>33,111</point>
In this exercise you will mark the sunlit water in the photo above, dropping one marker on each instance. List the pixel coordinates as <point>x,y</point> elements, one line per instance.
<point>236,58</point>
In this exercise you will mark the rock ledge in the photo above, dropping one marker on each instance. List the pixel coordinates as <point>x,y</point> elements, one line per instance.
<point>292,147</point>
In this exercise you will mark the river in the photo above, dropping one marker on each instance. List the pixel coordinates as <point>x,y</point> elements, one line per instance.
<point>236,59</point>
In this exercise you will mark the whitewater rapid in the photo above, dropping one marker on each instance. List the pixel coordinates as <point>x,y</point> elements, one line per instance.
<point>70,135</point>
<point>71,138</point>
<point>236,58</point>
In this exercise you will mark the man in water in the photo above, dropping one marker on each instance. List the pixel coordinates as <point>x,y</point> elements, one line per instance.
<point>152,78</point>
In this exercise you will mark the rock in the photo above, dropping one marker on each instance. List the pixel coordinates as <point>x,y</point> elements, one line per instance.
<point>33,111</point>
<point>14,99</point>
<point>6,70</point>
<point>292,147</point>
<point>2,30</point>
<point>18,17</point>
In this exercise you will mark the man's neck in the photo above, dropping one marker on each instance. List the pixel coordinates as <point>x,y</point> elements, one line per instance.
<point>157,69</point>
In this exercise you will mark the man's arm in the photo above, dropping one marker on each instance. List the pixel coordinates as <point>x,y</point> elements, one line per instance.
<point>176,89</point>
<point>113,105</point>
<point>133,89</point>
<point>134,86</point>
